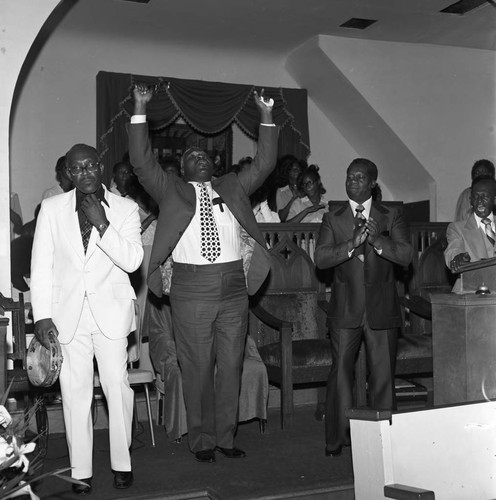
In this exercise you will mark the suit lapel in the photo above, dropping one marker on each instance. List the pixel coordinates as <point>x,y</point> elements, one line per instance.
<point>475,238</point>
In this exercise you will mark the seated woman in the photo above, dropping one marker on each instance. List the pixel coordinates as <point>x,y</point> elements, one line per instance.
<point>287,170</point>
<point>312,207</point>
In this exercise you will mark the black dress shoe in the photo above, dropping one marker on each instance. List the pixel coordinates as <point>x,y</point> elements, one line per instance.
<point>231,452</point>
<point>123,480</point>
<point>82,489</point>
<point>205,456</point>
<point>335,452</point>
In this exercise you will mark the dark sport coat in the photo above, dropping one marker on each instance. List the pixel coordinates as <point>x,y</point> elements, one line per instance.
<point>369,286</point>
<point>177,201</point>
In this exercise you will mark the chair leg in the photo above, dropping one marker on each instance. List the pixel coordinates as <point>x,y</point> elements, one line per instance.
<point>149,410</point>
<point>261,424</point>
<point>135,413</point>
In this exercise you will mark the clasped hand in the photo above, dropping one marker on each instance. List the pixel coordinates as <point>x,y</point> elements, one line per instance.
<point>368,231</point>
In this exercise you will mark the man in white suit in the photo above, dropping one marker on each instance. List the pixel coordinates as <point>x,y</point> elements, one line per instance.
<point>86,242</point>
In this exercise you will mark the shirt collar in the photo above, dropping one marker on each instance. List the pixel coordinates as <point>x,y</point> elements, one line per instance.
<point>100,194</point>
<point>479,220</point>
<point>367,205</point>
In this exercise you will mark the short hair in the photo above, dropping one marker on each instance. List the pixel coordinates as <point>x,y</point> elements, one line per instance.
<point>59,168</point>
<point>79,147</point>
<point>369,165</point>
<point>487,164</point>
<point>169,161</point>
<point>121,164</point>
<point>484,179</point>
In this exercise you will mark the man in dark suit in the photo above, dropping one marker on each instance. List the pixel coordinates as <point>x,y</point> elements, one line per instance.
<point>362,241</point>
<point>208,228</point>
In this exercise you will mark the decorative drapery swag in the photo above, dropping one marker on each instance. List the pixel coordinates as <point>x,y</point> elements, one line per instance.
<point>207,107</point>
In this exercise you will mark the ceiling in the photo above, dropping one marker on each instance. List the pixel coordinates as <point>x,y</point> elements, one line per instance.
<point>279,26</point>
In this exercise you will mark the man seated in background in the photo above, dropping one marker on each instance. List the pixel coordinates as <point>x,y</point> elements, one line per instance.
<point>64,183</point>
<point>473,238</point>
<point>481,168</point>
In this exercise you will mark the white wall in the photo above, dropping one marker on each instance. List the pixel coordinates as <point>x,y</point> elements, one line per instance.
<point>439,100</point>
<point>20,22</point>
<point>57,106</point>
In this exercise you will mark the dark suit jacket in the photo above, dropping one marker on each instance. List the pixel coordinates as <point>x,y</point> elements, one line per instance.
<point>369,286</point>
<point>177,201</point>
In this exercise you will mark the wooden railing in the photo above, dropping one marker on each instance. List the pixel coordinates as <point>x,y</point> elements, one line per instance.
<point>304,235</point>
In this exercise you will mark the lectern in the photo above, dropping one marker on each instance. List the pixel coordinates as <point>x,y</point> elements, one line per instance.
<point>464,338</point>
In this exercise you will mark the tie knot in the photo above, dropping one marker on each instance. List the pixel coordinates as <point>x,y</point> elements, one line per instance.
<point>359,209</point>
<point>486,221</point>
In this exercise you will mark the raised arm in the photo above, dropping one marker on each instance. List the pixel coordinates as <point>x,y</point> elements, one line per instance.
<point>265,160</point>
<point>146,167</point>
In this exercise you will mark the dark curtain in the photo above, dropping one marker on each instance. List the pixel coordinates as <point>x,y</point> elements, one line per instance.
<point>207,107</point>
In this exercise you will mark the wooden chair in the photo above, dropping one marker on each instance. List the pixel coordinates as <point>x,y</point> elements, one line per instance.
<point>295,349</point>
<point>137,376</point>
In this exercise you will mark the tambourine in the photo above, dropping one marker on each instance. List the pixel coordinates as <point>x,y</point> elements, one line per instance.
<point>43,365</point>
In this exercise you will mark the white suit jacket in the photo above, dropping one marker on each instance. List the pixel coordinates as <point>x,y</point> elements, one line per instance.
<point>62,275</point>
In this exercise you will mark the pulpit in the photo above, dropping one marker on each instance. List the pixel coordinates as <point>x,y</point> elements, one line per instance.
<point>464,337</point>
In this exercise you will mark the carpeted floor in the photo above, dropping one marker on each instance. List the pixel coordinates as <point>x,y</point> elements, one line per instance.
<point>280,464</point>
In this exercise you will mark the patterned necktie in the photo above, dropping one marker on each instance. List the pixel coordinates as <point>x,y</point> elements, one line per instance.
<point>85,226</point>
<point>210,242</point>
<point>359,222</point>
<point>489,231</point>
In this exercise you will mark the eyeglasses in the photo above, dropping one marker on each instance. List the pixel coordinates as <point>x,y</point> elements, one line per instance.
<point>91,168</point>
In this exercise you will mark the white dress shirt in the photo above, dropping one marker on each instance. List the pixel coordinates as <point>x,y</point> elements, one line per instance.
<point>482,225</point>
<point>188,248</point>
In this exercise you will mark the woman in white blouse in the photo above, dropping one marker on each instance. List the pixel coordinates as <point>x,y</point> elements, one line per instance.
<point>313,205</point>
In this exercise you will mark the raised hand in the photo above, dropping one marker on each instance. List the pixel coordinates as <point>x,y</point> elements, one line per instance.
<point>142,96</point>
<point>264,105</point>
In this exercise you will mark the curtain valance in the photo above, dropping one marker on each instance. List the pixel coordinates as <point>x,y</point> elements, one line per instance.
<point>207,107</point>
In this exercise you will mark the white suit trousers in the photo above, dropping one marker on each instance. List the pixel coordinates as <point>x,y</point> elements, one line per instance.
<point>76,382</point>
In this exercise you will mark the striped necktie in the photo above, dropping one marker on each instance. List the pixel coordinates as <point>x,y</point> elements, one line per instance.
<point>85,227</point>
<point>359,222</point>
<point>491,236</point>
